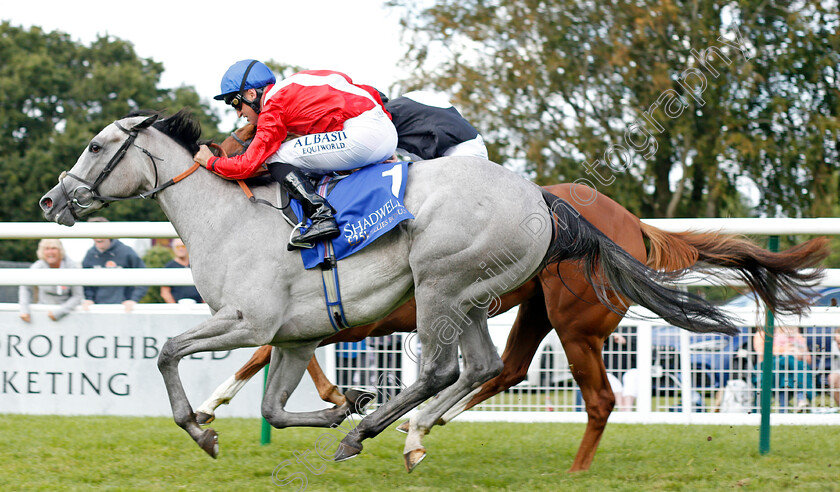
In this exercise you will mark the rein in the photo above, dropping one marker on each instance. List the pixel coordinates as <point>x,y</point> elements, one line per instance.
<point>84,196</point>
<point>243,185</point>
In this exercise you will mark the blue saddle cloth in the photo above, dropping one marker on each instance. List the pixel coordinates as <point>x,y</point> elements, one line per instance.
<point>368,204</point>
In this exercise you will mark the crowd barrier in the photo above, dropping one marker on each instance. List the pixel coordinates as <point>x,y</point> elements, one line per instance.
<point>104,362</point>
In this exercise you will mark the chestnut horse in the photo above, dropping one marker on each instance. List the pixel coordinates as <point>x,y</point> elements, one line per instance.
<point>560,298</point>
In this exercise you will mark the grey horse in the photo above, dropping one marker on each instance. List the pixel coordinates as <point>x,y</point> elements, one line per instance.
<point>479,231</point>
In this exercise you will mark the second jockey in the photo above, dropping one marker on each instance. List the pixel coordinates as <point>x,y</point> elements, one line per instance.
<point>338,126</point>
<point>429,126</point>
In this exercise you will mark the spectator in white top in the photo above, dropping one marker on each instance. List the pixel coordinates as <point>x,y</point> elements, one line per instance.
<point>50,255</point>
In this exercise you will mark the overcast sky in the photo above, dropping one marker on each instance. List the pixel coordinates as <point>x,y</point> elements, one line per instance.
<point>198,41</point>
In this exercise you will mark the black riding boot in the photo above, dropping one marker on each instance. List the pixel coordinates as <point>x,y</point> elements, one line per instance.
<point>314,206</point>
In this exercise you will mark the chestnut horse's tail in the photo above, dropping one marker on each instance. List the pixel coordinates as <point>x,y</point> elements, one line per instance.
<point>775,277</point>
<point>608,267</point>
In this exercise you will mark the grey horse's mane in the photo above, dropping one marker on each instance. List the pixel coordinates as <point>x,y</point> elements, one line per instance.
<point>181,127</point>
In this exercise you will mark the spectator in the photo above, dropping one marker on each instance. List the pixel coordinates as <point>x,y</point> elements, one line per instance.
<point>629,391</point>
<point>791,365</point>
<point>51,255</point>
<point>428,126</point>
<point>181,260</point>
<point>834,377</point>
<point>111,253</point>
<point>619,360</point>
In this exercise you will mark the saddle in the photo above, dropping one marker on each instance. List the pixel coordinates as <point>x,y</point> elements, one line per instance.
<point>362,217</point>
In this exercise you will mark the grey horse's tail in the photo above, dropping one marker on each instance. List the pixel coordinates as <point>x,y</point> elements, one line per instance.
<point>607,267</point>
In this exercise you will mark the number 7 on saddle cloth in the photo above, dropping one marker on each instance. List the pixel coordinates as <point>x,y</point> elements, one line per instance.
<point>369,203</point>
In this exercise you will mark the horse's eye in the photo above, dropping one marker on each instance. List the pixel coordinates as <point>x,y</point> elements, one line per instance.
<point>95,148</point>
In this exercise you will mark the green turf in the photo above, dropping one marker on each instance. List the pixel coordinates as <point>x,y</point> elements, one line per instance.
<point>112,453</point>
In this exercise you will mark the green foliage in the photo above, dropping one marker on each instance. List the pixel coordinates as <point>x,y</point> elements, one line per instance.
<point>698,96</point>
<point>156,257</point>
<point>283,70</point>
<point>57,94</point>
<point>791,105</point>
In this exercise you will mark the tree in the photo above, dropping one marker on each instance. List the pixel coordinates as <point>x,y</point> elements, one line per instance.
<point>653,103</point>
<point>57,94</point>
<point>787,131</point>
<point>156,257</point>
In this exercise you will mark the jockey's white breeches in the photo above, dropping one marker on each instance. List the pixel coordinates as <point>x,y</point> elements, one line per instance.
<point>365,139</point>
<point>474,147</point>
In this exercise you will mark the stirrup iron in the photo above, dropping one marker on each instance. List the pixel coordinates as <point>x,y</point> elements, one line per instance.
<point>295,233</point>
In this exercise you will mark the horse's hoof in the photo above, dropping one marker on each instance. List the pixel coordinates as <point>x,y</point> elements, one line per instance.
<point>204,418</point>
<point>347,451</point>
<point>359,399</point>
<point>404,427</point>
<point>209,442</point>
<point>413,458</point>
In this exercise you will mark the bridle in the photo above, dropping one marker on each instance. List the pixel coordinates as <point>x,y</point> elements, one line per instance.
<point>244,143</point>
<point>85,195</point>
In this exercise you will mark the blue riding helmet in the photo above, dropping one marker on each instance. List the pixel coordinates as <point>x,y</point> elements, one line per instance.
<point>244,75</point>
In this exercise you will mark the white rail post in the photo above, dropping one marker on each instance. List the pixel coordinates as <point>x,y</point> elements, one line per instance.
<point>330,368</point>
<point>410,360</point>
<point>644,362</point>
<point>686,383</point>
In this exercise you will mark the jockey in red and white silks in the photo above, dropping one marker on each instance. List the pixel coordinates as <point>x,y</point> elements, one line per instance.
<point>343,126</point>
<point>338,125</point>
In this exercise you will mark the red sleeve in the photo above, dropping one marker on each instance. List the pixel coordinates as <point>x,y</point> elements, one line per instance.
<point>270,134</point>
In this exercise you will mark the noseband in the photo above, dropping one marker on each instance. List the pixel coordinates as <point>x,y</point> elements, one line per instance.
<point>244,143</point>
<point>85,195</point>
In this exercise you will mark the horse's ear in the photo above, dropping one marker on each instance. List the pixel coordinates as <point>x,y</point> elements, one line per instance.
<point>145,123</point>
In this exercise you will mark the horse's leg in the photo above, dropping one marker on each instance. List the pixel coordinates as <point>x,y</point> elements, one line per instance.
<point>528,330</point>
<point>227,390</point>
<point>326,389</point>
<point>583,340</point>
<point>401,319</point>
<point>358,399</point>
<point>481,362</point>
<point>225,330</point>
<point>438,369</point>
<point>284,374</point>
<point>583,323</point>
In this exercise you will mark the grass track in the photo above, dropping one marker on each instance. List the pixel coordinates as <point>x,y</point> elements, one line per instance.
<point>115,453</point>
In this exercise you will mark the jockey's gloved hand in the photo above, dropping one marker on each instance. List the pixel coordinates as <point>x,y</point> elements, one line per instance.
<point>204,153</point>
